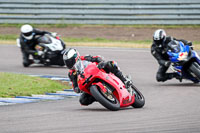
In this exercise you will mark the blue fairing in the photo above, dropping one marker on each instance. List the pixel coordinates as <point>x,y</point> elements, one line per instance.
<point>174,56</point>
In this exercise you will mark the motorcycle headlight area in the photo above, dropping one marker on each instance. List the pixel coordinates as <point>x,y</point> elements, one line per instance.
<point>183,56</point>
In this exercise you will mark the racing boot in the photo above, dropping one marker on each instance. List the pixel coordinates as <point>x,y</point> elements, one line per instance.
<point>112,66</point>
<point>128,83</point>
<point>175,75</point>
<point>27,63</point>
<point>179,77</point>
<point>125,80</point>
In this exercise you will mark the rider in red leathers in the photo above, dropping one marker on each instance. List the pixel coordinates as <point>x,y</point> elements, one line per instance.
<point>71,57</point>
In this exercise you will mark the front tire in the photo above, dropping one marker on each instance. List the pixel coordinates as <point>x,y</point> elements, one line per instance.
<point>195,69</point>
<point>103,100</point>
<point>139,98</point>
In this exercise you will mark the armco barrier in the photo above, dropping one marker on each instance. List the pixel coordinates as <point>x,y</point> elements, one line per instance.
<point>100,11</point>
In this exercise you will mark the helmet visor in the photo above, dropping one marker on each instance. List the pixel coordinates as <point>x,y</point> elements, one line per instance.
<point>158,42</point>
<point>70,62</point>
<point>27,34</point>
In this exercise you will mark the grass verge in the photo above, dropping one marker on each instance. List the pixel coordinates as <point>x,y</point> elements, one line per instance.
<point>94,42</point>
<point>23,85</point>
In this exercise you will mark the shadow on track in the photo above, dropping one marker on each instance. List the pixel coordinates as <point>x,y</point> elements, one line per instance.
<point>180,85</point>
<point>106,110</point>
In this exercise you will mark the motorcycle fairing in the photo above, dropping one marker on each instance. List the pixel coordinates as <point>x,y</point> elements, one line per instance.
<point>55,45</point>
<point>52,43</point>
<point>176,57</point>
<point>118,86</point>
<point>184,54</point>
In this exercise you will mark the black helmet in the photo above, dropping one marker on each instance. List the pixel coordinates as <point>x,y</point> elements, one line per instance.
<point>159,36</point>
<point>70,57</point>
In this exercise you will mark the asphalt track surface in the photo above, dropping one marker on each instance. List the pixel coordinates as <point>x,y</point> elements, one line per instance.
<point>170,107</point>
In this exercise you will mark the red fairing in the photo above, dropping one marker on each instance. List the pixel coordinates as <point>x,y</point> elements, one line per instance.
<point>93,72</point>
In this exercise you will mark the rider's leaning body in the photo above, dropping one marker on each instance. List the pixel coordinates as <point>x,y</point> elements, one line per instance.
<point>28,42</point>
<point>72,59</point>
<point>159,50</point>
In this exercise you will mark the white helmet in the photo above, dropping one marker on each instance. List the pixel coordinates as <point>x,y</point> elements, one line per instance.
<point>27,31</point>
<point>70,57</point>
<point>159,36</point>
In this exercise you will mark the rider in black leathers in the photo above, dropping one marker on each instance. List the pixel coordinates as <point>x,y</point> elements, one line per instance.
<point>28,42</point>
<point>159,51</point>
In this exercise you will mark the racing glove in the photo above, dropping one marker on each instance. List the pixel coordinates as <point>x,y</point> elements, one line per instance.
<point>101,65</point>
<point>77,90</point>
<point>167,63</point>
<point>128,83</point>
<point>40,53</point>
<point>93,59</point>
<point>54,34</point>
<point>88,58</point>
<point>189,43</point>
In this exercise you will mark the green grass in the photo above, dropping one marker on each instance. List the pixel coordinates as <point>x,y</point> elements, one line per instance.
<point>10,37</point>
<point>13,37</point>
<point>22,85</point>
<point>101,40</point>
<point>94,42</point>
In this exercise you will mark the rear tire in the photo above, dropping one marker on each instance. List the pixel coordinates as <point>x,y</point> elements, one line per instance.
<point>195,69</point>
<point>97,94</point>
<point>139,98</point>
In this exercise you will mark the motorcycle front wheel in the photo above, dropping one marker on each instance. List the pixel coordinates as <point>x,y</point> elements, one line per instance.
<point>139,98</point>
<point>195,69</point>
<point>108,100</point>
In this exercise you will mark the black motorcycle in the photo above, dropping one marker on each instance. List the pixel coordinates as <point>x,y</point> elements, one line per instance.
<point>50,50</point>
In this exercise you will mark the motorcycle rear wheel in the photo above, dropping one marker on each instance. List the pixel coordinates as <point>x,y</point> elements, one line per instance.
<point>195,69</point>
<point>111,104</point>
<point>139,98</point>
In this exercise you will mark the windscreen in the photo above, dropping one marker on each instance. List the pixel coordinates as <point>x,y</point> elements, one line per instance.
<point>175,48</point>
<point>44,39</point>
<point>81,65</point>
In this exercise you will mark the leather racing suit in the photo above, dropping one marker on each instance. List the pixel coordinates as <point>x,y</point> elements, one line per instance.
<point>159,51</point>
<point>28,46</point>
<point>110,66</point>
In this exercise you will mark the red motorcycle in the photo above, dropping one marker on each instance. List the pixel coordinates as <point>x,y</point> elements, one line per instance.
<point>108,89</point>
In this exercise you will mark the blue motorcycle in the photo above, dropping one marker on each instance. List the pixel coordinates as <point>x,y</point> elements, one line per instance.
<point>184,61</point>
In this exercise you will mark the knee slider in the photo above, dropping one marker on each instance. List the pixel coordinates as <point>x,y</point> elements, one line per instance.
<point>160,78</point>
